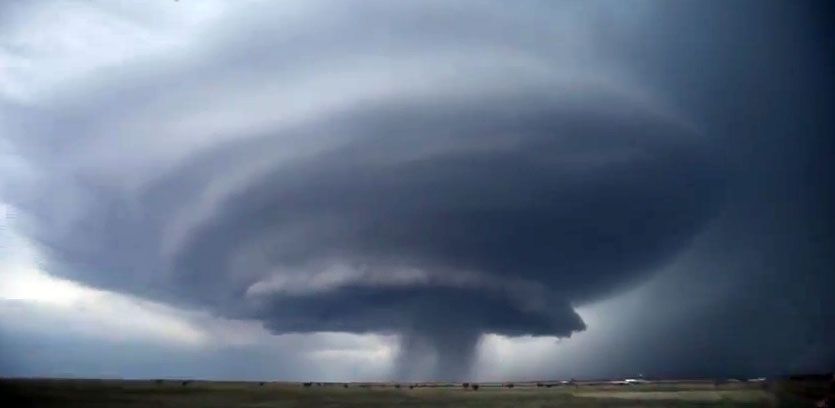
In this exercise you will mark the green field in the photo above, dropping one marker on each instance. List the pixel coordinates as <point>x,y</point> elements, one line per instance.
<point>112,393</point>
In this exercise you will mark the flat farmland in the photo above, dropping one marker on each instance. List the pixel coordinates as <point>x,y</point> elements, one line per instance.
<point>173,393</point>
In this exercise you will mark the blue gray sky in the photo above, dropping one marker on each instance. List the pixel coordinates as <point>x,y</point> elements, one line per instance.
<point>371,190</point>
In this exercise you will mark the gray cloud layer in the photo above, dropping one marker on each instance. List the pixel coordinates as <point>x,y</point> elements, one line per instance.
<point>445,172</point>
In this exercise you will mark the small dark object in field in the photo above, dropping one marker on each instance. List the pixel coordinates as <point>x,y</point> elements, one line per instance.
<point>307,384</point>
<point>509,385</point>
<point>397,386</point>
<point>158,382</point>
<point>549,385</point>
<point>345,385</point>
<point>261,384</point>
<point>411,387</point>
<point>465,385</point>
<point>539,384</point>
<point>475,387</point>
<point>184,383</point>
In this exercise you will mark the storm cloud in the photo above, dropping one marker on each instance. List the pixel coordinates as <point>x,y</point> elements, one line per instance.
<point>441,173</point>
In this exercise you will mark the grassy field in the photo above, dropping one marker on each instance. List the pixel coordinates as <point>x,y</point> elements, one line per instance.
<point>112,393</point>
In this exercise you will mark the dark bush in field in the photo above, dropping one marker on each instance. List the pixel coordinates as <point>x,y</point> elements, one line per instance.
<point>475,387</point>
<point>344,385</point>
<point>158,382</point>
<point>465,385</point>
<point>539,384</point>
<point>184,383</point>
<point>261,384</point>
<point>509,385</point>
<point>307,384</point>
<point>397,386</point>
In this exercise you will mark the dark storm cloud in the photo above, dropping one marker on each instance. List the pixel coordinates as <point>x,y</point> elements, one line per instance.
<point>780,231</point>
<point>474,215</point>
<point>527,192</point>
<point>445,172</point>
<point>489,202</point>
<point>752,295</point>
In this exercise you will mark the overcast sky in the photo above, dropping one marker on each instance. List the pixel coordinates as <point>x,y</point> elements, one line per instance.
<point>374,190</point>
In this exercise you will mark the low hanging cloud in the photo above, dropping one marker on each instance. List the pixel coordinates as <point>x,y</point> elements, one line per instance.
<point>440,174</point>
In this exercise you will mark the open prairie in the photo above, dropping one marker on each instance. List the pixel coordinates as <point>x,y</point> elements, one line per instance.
<point>173,393</point>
